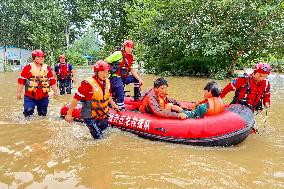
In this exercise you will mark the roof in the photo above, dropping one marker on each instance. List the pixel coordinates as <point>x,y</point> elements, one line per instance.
<point>87,56</point>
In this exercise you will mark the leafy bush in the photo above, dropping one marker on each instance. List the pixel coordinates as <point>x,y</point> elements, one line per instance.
<point>76,58</point>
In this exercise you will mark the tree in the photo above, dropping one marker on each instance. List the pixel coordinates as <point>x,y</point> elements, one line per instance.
<point>191,37</point>
<point>42,24</point>
<point>110,20</point>
<point>89,44</point>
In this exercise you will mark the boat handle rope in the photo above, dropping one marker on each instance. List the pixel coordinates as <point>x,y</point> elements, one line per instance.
<point>161,129</point>
<point>265,121</point>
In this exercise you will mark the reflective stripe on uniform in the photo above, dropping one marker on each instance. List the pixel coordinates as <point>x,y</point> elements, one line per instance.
<point>232,85</point>
<point>79,94</point>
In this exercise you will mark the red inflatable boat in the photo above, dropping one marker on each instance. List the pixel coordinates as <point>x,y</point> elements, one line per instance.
<point>226,129</point>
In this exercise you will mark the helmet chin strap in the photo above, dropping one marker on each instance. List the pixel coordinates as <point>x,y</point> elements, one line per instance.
<point>37,63</point>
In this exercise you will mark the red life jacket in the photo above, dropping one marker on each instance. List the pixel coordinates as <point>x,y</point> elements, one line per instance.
<point>125,64</point>
<point>64,71</point>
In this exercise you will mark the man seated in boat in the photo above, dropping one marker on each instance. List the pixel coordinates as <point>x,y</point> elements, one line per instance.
<point>251,90</point>
<point>211,105</point>
<point>156,102</point>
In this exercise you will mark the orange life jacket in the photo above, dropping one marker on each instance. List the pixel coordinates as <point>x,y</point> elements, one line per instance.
<point>38,79</point>
<point>162,102</point>
<point>99,102</point>
<point>215,106</point>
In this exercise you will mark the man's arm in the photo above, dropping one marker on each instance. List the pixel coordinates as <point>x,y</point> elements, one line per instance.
<point>19,91</point>
<point>226,90</point>
<point>135,74</point>
<point>52,82</point>
<point>158,111</point>
<point>55,70</point>
<point>54,88</point>
<point>113,104</point>
<point>235,84</point>
<point>173,101</point>
<point>72,73</point>
<point>21,81</point>
<point>81,93</point>
<point>72,106</point>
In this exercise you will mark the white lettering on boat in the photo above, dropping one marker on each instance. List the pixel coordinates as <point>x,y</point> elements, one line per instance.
<point>128,121</point>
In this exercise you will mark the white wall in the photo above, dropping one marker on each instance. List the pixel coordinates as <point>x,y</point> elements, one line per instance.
<point>19,54</point>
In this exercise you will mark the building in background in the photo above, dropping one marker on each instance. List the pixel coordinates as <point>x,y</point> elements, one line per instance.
<point>94,45</point>
<point>14,58</point>
<point>90,60</point>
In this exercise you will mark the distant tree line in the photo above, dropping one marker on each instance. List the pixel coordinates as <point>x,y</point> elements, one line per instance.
<point>184,37</point>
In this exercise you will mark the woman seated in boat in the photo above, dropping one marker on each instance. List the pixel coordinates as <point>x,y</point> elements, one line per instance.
<point>156,102</point>
<point>211,105</point>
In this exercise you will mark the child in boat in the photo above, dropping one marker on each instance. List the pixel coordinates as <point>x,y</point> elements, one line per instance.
<point>211,105</point>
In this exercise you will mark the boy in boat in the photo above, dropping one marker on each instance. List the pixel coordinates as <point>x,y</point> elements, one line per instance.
<point>94,93</point>
<point>157,102</point>
<point>211,105</point>
<point>251,90</point>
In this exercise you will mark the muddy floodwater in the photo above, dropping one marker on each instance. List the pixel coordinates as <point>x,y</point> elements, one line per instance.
<point>51,153</point>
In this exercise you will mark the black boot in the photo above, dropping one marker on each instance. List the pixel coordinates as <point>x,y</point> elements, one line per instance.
<point>95,132</point>
<point>137,94</point>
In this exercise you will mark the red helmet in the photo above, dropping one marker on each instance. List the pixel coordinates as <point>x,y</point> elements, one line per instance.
<point>101,65</point>
<point>262,67</point>
<point>128,43</point>
<point>38,53</point>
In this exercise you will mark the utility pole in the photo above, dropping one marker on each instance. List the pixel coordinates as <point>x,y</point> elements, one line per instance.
<point>5,58</point>
<point>140,53</point>
<point>67,33</point>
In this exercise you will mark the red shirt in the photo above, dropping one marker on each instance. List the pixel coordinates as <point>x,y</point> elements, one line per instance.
<point>26,74</point>
<point>256,90</point>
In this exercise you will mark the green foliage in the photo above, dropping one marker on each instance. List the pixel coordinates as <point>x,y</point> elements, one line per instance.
<point>185,37</point>
<point>110,20</point>
<point>42,24</point>
<point>220,75</point>
<point>76,58</point>
<point>189,37</point>
<point>276,63</point>
<point>88,44</point>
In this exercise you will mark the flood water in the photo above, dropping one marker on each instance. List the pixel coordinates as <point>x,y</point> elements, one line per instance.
<point>51,153</point>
